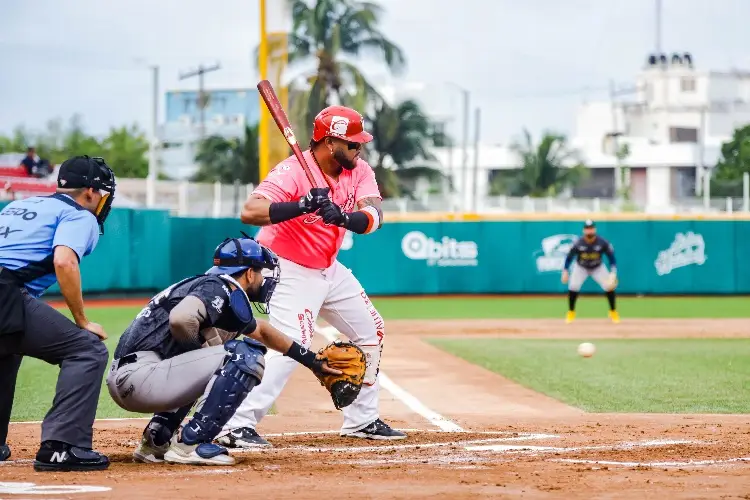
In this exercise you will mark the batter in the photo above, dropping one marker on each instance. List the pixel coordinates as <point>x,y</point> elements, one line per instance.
<point>305,226</point>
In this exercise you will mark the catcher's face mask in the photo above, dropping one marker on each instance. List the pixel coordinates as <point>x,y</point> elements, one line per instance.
<point>262,295</point>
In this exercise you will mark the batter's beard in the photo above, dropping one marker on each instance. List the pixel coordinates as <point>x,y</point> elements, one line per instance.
<point>342,160</point>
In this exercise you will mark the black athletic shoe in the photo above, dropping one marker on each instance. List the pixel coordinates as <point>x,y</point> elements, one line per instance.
<point>60,457</point>
<point>377,430</point>
<point>244,437</point>
<point>4,452</point>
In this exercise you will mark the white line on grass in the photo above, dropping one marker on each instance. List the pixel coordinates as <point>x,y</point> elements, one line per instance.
<point>330,333</point>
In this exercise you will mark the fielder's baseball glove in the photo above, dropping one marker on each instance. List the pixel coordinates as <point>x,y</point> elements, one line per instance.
<point>350,360</point>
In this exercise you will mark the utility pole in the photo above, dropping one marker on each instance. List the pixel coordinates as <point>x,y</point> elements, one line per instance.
<point>477,125</point>
<point>153,158</point>
<point>202,99</point>
<point>657,24</point>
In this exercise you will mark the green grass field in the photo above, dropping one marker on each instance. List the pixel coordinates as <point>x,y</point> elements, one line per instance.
<point>643,376</point>
<point>662,367</point>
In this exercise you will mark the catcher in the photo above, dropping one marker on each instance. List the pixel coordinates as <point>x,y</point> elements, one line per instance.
<point>588,252</point>
<point>182,350</point>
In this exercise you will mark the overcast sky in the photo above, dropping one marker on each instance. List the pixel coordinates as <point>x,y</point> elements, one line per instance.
<point>526,63</point>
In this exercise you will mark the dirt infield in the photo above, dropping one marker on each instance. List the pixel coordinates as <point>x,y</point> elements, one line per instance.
<point>508,441</point>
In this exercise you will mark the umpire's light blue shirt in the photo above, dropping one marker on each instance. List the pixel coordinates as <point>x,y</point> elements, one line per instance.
<point>31,228</point>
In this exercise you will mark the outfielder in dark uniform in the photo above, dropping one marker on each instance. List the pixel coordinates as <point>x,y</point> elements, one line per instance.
<point>42,240</point>
<point>587,252</point>
<point>182,349</point>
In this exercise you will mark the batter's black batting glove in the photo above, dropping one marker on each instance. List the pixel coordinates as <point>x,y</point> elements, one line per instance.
<point>313,200</point>
<point>332,214</point>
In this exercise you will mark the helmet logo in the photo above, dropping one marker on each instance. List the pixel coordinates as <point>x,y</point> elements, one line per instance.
<point>339,125</point>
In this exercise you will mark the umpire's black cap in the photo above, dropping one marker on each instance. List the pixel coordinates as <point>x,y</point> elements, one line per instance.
<point>84,171</point>
<point>589,223</point>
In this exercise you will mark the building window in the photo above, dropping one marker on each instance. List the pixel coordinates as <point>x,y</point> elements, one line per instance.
<point>680,134</point>
<point>687,84</point>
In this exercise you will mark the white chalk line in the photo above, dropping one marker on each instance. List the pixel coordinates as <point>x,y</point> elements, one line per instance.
<point>356,449</point>
<point>616,447</point>
<point>691,463</point>
<point>330,333</point>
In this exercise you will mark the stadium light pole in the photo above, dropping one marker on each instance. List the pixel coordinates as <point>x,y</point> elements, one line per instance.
<point>465,145</point>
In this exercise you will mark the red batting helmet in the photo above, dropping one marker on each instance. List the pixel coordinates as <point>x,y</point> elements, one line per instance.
<point>340,122</point>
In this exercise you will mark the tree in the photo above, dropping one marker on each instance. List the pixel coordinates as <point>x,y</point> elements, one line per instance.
<point>125,148</point>
<point>734,162</point>
<point>544,169</point>
<point>329,31</point>
<point>225,160</point>
<point>402,137</point>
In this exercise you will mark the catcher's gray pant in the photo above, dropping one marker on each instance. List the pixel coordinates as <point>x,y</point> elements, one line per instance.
<point>579,275</point>
<point>82,357</point>
<point>150,384</point>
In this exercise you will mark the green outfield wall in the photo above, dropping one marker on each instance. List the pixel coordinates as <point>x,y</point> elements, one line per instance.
<point>146,250</point>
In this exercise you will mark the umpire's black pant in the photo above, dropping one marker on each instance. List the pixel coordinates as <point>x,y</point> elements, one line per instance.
<point>50,336</point>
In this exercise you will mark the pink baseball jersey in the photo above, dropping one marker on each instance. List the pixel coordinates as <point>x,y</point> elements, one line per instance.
<point>306,240</point>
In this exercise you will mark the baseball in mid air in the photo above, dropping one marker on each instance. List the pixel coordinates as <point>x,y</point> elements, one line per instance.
<point>586,349</point>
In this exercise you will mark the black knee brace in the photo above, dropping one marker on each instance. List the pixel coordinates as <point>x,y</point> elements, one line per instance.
<point>242,370</point>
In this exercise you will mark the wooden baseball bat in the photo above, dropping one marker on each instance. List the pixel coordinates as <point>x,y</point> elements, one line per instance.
<point>279,116</point>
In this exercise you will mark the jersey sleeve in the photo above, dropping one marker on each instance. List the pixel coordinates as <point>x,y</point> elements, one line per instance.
<point>367,186</point>
<point>79,231</point>
<point>215,297</point>
<point>280,184</point>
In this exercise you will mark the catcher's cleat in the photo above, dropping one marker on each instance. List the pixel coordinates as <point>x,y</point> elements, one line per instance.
<point>244,437</point>
<point>377,430</point>
<point>570,316</point>
<point>148,451</point>
<point>197,454</point>
<point>4,452</point>
<point>614,316</point>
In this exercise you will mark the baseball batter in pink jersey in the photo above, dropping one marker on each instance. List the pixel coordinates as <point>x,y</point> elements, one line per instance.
<point>304,225</point>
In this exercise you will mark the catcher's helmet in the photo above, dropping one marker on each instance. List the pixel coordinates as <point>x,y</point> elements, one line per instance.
<point>238,254</point>
<point>340,122</point>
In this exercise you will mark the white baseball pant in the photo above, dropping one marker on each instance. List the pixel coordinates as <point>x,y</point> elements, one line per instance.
<point>300,296</point>
<point>579,274</point>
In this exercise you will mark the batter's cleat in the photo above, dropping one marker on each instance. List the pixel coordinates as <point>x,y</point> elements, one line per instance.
<point>55,456</point>
<point>197,454</point>
<point>4,452</point>
<point>614,316</point>
<point>377,430</point>
<point>570,316</point>
<point>244,437</point>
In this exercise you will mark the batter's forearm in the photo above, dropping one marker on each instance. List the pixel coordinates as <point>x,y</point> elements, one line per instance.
<point>369,217</point>
<point>256,212</point>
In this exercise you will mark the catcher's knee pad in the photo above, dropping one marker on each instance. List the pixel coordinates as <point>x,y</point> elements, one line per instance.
<point>243,369</point>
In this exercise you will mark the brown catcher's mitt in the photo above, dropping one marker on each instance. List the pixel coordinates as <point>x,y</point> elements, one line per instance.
<point>350,360</point>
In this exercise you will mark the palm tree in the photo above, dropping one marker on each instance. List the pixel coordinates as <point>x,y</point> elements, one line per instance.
<point>227,160</point>
<point>329,31</point>
<point>545,168</point>
<point>402,137</point>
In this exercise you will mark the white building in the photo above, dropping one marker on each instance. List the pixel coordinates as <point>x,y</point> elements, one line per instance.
<point>674,120</point>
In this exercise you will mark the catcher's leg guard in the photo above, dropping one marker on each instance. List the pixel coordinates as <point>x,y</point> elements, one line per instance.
<point>243,369</point>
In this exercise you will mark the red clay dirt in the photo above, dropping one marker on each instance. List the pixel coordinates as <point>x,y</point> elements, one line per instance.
<point>542,448</point>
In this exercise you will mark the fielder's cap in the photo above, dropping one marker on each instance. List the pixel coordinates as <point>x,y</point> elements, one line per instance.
<point>588,223</point>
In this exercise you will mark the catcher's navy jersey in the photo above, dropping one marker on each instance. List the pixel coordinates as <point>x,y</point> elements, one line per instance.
<point>150,329</point>
<point>31,228</point>
<point>589,255</point>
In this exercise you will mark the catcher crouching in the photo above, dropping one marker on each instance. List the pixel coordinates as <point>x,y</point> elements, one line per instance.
<point>182,351</point>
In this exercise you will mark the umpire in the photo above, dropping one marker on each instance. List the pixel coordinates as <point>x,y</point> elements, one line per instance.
<point>42,240</point>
